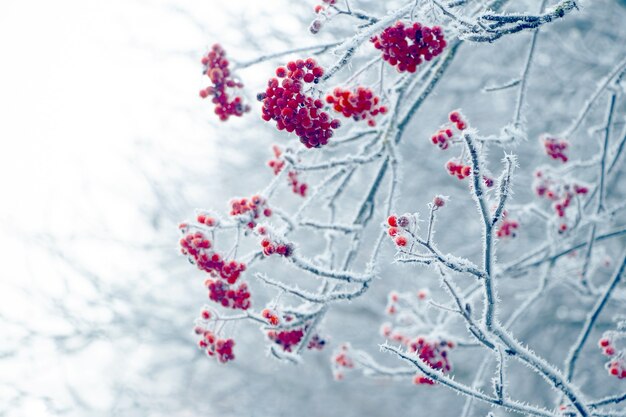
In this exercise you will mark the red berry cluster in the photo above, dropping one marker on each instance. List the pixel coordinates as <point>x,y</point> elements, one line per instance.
<point>297,187</point>
<point>287,104</point>
<point>398,229</point>
<point>360,104</point>
<point>227,295</point>
<point>560,194</point>
<point>273,247</point>
<point>216,68</point>
<point>250,210</point>
<point>221,349</point>
<point>617,364</point>
<point>197,247</point>
<point>457,118</point>
<point>271,316</point>
<point>461,171</point>
<point>206,220</point>
<point>407,47</point>
<point>432,350</point>
<point>278,163</point>
<point>457,169</point>
<point>444,136</point>
<point>289,338</point>
<point>555,147</point>
<point>225,273</point>
<point>342,361</point>
<point>434,353</point>
<point>507,228</point>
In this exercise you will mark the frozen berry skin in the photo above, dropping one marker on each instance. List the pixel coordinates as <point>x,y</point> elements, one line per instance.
<point>358,104</point>
<point>216,68</point>
<point>406,47</point>
<point>286,102</point>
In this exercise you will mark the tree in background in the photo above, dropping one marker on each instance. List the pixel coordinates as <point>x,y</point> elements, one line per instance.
<point>324,230</point>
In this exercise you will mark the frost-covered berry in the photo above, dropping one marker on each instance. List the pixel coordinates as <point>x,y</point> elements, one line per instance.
<point>271,316</point>
<point>275,246</point>
<point>293,110</point>
<point>555,147</point>
<point>406,47</point>
<point>507,228</point>
<point>457,169</point>
<point>216,68</point>
<point>277,164</point>
<point>250,210</point>
<point>359,104</point>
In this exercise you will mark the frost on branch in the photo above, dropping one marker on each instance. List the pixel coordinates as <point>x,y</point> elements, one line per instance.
<point>493,259</point>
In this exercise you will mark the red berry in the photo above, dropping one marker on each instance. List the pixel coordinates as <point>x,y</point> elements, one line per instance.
<point>407,47</point>
<point>216,68</point>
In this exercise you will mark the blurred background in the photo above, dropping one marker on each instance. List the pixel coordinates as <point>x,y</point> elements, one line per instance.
<point>106,147</point>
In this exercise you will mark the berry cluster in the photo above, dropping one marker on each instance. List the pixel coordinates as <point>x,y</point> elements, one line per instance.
<point>197,247</point>
<point>407,47</point>
<point>507,228</point>
<point>457,169</point>
<point>559,193</point>
<point>616,365</point>
<point>216,68</point>
<point>555,147</point>
<point>224,273</point>
<point>287,339</point>
<point>434,353</point>
<point>222,349</point>
<point>271,247</point>
<point>249,210</point>
<point>207,220</point>
<point>410,314</point>
<point>457,118</point>
<point>360,104</point>
<point>227,295</point>
<point>278,163</point>
<point>341,361</point>
<point>287,104</point>
<point>461,171</point>
<point>399,228</point>
<point>271,316</point>
<point>444,136</point>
